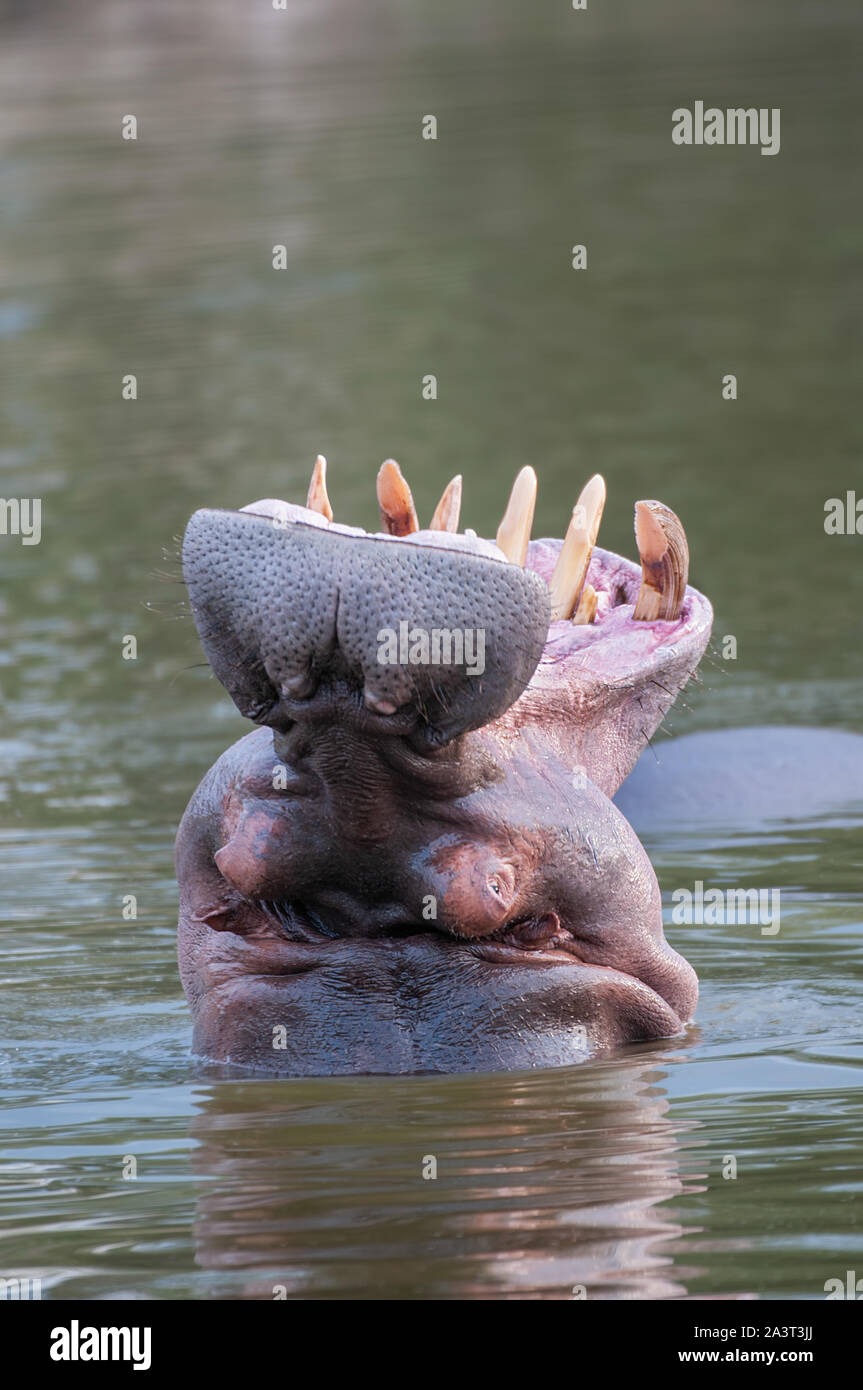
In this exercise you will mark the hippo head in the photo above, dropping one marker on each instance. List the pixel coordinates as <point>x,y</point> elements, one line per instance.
<point>414,864</point>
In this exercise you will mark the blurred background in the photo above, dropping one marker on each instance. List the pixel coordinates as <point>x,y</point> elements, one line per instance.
<point>408,257</point>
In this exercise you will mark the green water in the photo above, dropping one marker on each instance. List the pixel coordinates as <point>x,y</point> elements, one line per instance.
<point>407,257</point>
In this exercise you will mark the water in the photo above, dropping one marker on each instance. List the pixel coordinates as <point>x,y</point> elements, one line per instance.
<point>408,257</point>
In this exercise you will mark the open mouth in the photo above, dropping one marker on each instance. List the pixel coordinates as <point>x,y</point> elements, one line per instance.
<point>610,620</point>
<point>581,593</point>
<point>419,635</point>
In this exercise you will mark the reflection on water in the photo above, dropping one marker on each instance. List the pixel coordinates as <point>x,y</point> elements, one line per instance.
<point>546,1185</point>
<point>405,258</point>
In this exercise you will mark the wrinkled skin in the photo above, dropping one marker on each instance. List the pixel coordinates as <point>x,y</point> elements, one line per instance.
<point>448,887</point>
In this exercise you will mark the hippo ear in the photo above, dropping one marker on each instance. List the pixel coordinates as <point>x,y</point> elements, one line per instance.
<point>293,616</point>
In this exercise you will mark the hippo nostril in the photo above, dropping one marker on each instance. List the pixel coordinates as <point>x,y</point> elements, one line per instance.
<point>258,710</point>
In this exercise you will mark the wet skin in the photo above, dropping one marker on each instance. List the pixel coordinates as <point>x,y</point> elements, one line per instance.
<point>448,887</point>
<point>745,778</point>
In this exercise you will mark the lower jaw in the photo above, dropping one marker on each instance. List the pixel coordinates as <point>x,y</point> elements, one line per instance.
<point>412,1005</point>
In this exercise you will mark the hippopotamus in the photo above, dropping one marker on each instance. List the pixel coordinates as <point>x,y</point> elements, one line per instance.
<point>414,863</point>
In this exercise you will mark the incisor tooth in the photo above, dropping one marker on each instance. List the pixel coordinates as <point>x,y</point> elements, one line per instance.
<point>574,558</point>
<point>448,509</point>
<point>664,562</point>
<point>317,500</point>
<point>586,610</point>
<point>513,534</point>
<point>398,513</point>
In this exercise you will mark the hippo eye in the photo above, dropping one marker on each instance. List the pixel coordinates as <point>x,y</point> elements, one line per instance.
<point>495,886</point>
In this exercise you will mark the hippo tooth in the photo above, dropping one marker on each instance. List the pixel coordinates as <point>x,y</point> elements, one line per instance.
<point>664,562</point>
<point>513,534</point>
<point>448,509</point>
<point>586,610</point>
<point>317,500</point>
<point>398,513</point>
<point>574,558</point>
